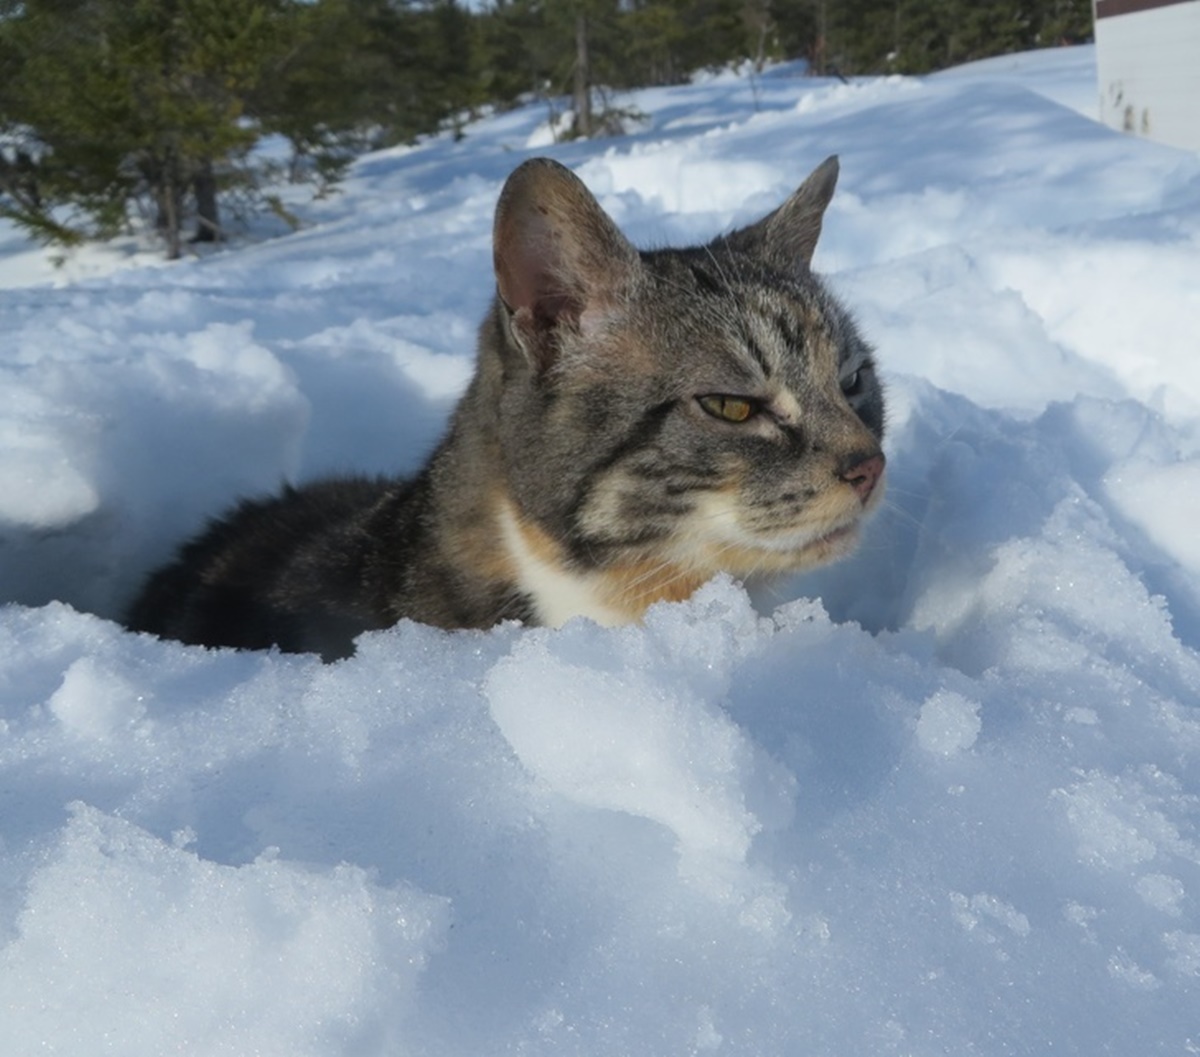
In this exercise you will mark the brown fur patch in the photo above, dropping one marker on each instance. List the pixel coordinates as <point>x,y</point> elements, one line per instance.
<point>635,587</point>
<point>474,545</point>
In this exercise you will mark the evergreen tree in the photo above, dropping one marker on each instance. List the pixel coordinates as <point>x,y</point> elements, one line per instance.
<point>134,104</point>
<point>371,73</point>
<point>917,36</point>
<point>658,40</point>
<point>509,62</point>
<point>1063,22</point>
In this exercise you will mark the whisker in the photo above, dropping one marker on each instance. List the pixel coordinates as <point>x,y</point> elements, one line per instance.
<point>892,490</point>
<point>901,514</point>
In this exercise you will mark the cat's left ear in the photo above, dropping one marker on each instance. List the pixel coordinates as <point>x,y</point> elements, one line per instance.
<point>560,260</point>
<point>788,237</point>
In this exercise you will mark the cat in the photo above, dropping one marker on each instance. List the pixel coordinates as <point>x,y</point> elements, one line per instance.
<point>636,423</point>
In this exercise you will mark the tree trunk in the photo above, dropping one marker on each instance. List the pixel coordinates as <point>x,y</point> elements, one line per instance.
<point>208,220</point>
<point>819,57</point>
<point>167,220</point>
<point>18,179</point>
<point>583,78</point>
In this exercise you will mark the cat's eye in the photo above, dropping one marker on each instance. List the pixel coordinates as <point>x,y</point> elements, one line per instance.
<point>729,408</point>
<point>852,384</point>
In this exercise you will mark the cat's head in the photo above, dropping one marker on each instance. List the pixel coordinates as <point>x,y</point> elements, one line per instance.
<point>708,408</point>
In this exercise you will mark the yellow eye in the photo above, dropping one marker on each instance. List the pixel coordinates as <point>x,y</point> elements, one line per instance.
<point>728,408</point>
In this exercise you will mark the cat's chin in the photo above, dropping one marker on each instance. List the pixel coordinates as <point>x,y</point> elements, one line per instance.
<point>827,547</point>
<point>753,555</point>
<point>830,547</point>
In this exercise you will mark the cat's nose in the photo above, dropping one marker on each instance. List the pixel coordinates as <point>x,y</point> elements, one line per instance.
<point>863,474</point>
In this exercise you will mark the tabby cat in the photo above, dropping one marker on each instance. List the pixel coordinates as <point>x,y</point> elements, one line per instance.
<point>637,422</point>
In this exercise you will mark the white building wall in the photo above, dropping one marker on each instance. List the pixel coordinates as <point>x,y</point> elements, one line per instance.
<point>1148,61</point>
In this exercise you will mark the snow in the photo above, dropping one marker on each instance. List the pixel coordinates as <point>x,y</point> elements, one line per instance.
<point>941,798</point>
<point>948,723</point>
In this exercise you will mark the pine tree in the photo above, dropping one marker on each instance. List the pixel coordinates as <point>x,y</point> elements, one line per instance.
<point>508,60</point>
<point>132,106</point>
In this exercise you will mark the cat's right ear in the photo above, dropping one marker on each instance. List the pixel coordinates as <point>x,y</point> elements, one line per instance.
<point>560,260</point>
<point>787,238</point>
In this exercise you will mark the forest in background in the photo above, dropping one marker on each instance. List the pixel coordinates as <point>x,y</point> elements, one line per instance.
<point>116,114</point>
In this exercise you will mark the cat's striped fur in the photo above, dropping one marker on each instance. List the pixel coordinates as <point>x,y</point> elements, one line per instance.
<point>637,422</point>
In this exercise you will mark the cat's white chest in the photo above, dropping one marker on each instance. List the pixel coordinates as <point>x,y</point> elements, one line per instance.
<point>558,594</point>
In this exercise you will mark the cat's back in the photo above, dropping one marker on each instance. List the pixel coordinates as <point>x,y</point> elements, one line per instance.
<point>285,570</point>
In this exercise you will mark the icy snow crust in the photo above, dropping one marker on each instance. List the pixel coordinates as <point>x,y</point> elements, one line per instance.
<point>952,808</point>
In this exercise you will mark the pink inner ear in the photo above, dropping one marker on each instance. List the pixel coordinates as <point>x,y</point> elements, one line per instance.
<point>523,266</point>
<point>526,273</point>
<point>518,284</point>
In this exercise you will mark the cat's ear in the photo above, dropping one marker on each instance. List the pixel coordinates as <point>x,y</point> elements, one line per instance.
<point>559,258</point>
<point>788,237</point>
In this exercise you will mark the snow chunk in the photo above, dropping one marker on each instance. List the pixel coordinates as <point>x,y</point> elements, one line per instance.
<point>1185,946</point>
<point>949,723</point>
<point>42,482</point>
<point>96,704</point>
<point>1162,892</point>
<point>1164,501</point>
<point>971,913</point>
<point>1119,821</point>
<point>39,487</point>
<point>251,375</point>
<point>1123,968</point>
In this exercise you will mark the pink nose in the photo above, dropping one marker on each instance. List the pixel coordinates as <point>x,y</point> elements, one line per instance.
<point>863,476</point>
